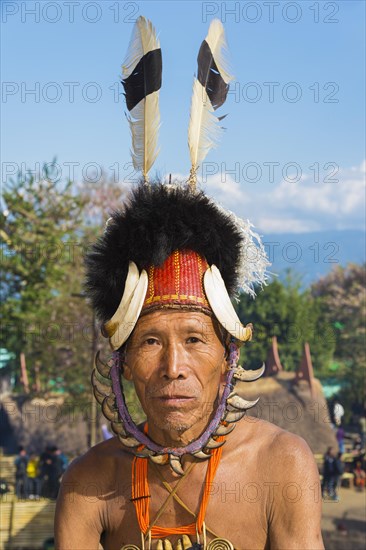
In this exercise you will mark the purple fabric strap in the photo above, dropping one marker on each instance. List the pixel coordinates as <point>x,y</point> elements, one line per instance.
<point>132,429</point>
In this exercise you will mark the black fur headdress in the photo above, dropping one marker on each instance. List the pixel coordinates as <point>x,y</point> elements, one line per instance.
<point>157,220</point>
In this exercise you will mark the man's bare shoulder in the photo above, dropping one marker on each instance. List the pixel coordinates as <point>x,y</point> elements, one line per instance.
<point>256,432</point>
<point>103,462</point>
<point>283,449</point>
<point>293,455</point>
<point>94,488</point>
<point>284,468</point>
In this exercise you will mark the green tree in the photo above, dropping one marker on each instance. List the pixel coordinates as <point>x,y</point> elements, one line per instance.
<point>38,230</point>
<point>342,298</point>
<point>283,310</point>
<point>46,227</point>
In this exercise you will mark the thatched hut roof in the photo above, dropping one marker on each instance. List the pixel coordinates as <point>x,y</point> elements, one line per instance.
<point>291,406</point>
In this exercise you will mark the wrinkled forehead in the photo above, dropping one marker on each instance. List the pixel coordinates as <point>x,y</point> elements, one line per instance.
<point>180,322</point>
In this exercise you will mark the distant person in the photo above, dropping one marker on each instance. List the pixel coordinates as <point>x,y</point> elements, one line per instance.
<point>56,470</point>
<point>329,474</point>
<point>338,413</point>
<point>63,458</point>
<point>340,439</point>
<point>359,478</point>
<point>338,472</point>
<point>357,445</point>
<point>363,429</point>
<point>33,481</point>
<point>106,433</point>
<point>45,467</point>
<point>21,462</point>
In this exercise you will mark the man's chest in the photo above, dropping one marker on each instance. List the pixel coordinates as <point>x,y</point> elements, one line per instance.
<point>236,511</point>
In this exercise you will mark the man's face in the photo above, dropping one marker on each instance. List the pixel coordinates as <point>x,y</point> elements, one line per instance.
<point>176,360</point>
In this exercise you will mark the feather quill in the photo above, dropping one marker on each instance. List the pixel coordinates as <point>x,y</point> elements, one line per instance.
<point>210,89</point>
<point>141,73</point>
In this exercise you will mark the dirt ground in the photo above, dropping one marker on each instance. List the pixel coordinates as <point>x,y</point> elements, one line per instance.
<point>344,522</point>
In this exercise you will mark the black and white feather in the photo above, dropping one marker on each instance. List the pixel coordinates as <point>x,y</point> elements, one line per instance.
<point>142,73</point>
<point>210,90</point>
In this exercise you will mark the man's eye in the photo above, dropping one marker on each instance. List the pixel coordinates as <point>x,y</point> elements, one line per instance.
<point>193,340</point>
<point>151,341</point>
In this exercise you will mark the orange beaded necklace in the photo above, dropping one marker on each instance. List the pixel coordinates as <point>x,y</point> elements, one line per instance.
<point>141,495</point>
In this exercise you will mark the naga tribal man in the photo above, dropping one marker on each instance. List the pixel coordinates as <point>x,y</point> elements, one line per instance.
<point>252,486</point>
<point>197,474</point>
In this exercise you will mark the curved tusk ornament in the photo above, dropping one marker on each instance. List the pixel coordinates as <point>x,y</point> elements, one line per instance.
<point>224,430</point>
<point>144,453</point>
<point>132,280</point>
<point>98,395</point>
<point>248,375</point>
<point>109,409</point>
<point>103,388</point>
<point>221,305</point>
<point>128,441</point>
<point>213,444</point>
<point>159,459</point>
<point>176,465</point>
<point>118,429</point>
<point>234,416</point>
<point>127,323</point>
<point>103,368</point>
<point>241,404</point>
<point>201,455</point>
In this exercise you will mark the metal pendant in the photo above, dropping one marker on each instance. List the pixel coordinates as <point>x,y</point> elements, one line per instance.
<point>220,544</point>
<point>185,544</point>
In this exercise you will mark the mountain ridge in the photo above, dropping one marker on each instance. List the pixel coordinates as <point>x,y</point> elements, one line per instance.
<point>313,255</point>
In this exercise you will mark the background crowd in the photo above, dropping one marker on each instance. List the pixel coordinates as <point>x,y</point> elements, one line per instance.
<point>39,476</point>
<point>334,465</point>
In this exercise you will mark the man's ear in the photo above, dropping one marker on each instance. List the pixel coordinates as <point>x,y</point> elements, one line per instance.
<point>224,364</point>
<point>127,373</point>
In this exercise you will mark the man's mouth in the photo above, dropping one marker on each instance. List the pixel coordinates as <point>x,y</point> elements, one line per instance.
<point>175,399</point>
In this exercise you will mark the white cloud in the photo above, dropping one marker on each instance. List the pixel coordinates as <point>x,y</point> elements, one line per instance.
<point>337,202</point>
<point>220,186</point>
<point>286,225</point>
<point>361,168</point>
<point>225,189</point>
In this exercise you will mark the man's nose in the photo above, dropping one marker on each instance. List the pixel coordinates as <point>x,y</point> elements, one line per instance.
<point>172,362</point>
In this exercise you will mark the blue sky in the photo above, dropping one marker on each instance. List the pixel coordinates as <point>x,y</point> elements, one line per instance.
<point>293,155</point>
